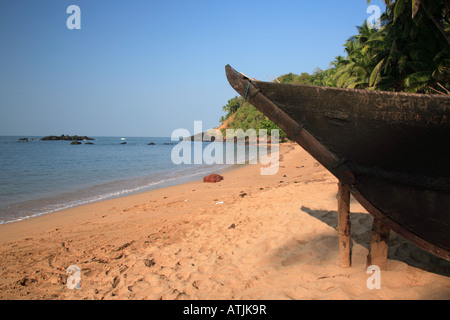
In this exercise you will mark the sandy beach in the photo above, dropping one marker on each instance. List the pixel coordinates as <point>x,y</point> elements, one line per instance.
<point>247,237</point>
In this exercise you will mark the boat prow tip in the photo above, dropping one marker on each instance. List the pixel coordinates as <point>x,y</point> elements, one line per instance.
<point>233,73</point>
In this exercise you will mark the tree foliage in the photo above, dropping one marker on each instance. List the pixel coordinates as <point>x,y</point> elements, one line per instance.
<point>246,116</point>
<point>409,53</point>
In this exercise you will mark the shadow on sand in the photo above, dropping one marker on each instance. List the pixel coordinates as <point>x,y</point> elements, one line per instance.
<point>399,248</point>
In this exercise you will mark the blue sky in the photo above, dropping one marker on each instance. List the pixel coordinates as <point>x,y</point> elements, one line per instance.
<point>146,68</point>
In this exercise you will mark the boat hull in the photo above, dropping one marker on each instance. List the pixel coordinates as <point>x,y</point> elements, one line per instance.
<point>391,149</point>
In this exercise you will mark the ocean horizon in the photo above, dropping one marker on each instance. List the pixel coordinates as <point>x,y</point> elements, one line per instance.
<point>40,177</point>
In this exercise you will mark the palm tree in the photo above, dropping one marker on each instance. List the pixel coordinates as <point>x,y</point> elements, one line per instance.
<point>356,70</point>
<point>410,52</point>
<point>431,8</point>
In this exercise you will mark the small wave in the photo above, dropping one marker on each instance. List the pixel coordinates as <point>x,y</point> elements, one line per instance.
<point>99,176</point>
<point>29,213</point>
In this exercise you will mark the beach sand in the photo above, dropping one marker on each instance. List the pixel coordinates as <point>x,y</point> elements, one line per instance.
<point>247,237</point>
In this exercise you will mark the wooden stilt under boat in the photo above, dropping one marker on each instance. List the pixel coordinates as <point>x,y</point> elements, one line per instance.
<point>391,149</point>
<point>345,253</point>
<point>379,238</point>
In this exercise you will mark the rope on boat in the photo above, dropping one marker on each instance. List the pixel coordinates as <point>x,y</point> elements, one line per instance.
<point>248,87</point>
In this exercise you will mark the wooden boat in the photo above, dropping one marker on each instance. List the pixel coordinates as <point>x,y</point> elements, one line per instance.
<point>391,149</point>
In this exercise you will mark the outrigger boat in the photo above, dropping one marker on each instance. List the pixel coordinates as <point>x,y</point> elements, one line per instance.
<point>391,149</point>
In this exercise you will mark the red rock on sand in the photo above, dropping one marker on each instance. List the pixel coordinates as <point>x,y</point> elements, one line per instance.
<point>213,178</point>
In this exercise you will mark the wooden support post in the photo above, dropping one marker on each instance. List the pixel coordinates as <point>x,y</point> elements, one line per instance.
<point>378,250</point>
<point>343,198</point>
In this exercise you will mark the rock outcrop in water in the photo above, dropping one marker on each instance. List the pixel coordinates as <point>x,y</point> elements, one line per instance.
<point>204,136</point>
<point>66,138</point>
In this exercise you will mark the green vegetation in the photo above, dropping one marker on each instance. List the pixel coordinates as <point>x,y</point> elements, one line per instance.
<point>231,107</point>
<point>409,53</point>
<point>246,116</point>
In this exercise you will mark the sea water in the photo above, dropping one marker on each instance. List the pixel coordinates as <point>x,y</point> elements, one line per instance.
<point>39,177</point>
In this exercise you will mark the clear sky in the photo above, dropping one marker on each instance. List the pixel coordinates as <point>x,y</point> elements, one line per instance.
<point>146,68</point>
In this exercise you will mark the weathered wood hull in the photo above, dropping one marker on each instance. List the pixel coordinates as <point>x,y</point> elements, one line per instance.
<point>391,149</point>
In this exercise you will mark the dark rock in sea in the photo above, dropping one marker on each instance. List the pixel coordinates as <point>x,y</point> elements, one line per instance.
<point>204,136</point>
<point>151,144</point>
<point>75,142</point>
<point>66,138</point>
<point>23,140</point>
<point>213,178</point>
<point>88,143</point>
<point>123,143</point>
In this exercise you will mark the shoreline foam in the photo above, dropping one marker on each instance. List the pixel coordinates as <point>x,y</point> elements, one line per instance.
<point>78,200</point>
<point>32,202</point>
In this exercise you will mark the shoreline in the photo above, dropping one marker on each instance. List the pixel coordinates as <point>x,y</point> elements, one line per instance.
<point>134,196</point>
<point>248,237</point>
<point>31,203</point>
<point>113,201</point>
<point>174,181</point>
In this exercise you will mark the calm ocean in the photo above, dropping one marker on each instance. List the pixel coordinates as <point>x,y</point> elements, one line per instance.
<point>39,177</point>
